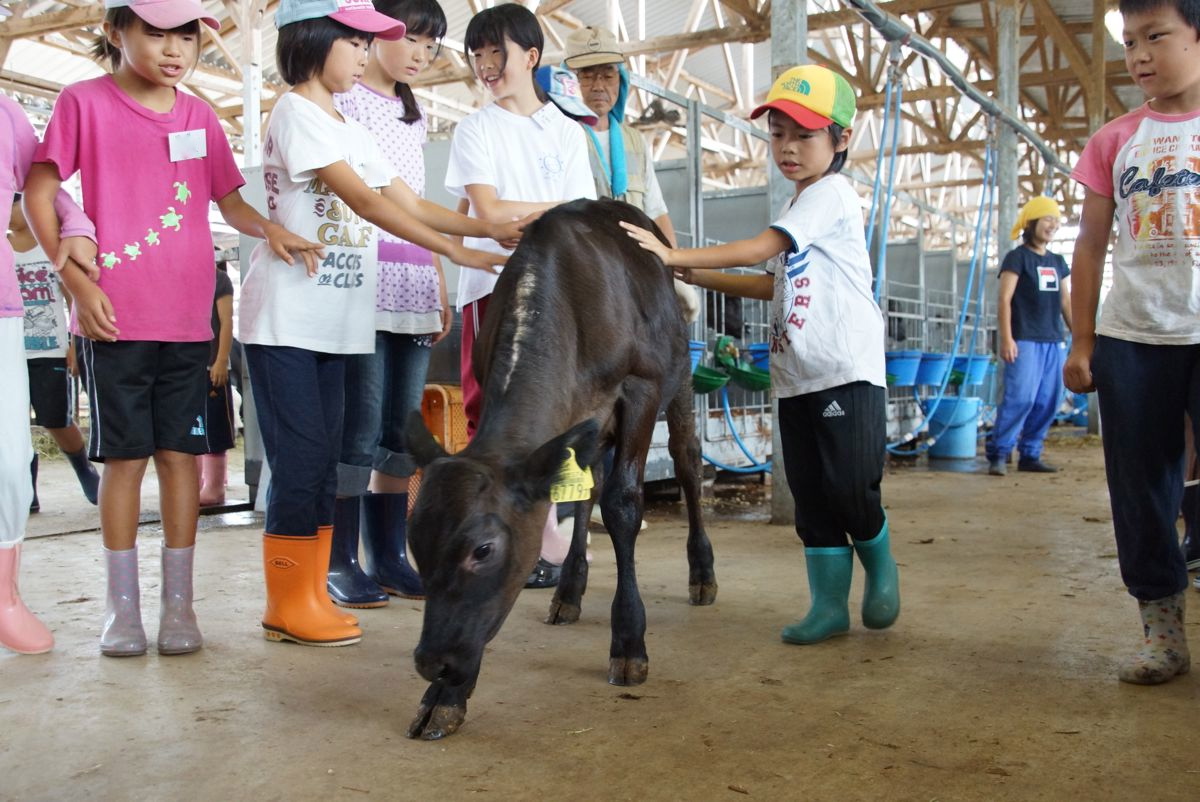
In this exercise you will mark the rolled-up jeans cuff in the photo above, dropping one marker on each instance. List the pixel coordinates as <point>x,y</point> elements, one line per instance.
<point>394,463</point>
<point>352,480</point>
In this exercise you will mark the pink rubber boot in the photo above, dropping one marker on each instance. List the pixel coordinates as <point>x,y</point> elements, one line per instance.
<point>212,478</point>
<point>20,630</point>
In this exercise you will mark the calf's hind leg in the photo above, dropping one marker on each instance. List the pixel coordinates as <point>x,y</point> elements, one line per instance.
<point>685,453</point>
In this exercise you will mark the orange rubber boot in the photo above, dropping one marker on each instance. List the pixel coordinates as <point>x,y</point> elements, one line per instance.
<point>292,567</point>
<point>324,549</point>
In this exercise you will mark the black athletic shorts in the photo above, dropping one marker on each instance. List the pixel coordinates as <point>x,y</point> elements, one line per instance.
<point>146,396</point>
<point>50,391</point>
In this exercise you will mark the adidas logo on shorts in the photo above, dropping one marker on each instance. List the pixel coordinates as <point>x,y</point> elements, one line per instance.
<point>834,410</point>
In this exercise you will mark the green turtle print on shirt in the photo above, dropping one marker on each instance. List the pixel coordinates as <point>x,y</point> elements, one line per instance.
<point>170,221</point>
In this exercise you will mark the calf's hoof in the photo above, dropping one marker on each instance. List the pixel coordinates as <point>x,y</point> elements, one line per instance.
<point>562,612</point>
<point>627,670</point>
<point>702,594</point>
<point>437,721</point>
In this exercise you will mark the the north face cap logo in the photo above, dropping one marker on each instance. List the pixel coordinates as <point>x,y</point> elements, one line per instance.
<point>283,563</point>
<point>801,87</point>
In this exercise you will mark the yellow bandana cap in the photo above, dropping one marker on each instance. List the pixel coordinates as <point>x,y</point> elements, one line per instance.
<point>1035,209</point>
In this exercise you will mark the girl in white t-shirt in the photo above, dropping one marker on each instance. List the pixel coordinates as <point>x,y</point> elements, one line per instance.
<point>322,172</point>
<point>516,156</point>
<point>827,363</point>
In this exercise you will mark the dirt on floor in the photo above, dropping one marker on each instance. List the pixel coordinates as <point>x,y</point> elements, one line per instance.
<point>996,683</point>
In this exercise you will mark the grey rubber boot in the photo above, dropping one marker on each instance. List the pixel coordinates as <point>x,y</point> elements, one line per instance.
<point>178,632</point>
<point>123,634</point>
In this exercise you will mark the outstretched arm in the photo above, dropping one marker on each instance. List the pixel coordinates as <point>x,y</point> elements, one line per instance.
<point>246,219</point>
<point>383,212</point>
<point>489,206</point>
<point>446,221</point>
<point>744,285</point>
<point>740,253</point>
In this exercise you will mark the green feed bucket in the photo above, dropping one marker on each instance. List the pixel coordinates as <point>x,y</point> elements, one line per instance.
<point>705,380</point>
<point>751,378</point>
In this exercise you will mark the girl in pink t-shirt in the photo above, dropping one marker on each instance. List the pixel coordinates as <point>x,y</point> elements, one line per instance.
<point>150,159</point>
<point>20,630</point>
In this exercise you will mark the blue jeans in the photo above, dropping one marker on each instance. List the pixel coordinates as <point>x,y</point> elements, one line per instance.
<point>382,389</point>
<point>1033,388</point>
<point>1144,391</point>
<point>299,396</point>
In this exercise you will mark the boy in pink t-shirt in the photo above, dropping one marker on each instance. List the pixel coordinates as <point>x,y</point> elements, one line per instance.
<point>150,160</point>
<point>1143,356</point>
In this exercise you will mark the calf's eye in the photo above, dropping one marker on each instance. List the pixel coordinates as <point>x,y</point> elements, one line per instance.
<point>482,551</point>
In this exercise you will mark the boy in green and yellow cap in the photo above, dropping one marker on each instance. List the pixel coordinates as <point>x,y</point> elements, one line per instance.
<point>827,363</point>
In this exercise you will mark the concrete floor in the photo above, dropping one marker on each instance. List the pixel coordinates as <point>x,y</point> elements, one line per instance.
<point>997,682</point>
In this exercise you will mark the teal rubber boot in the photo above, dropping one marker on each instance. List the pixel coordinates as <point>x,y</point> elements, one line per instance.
<point>881,598</point>
<point>829,585</point>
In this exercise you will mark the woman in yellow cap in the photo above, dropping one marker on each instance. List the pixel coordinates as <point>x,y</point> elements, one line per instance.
<point>1034,301</point>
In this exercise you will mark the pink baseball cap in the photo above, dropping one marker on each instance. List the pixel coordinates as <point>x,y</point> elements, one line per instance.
<point>357,14</point>
<point>167,15</point>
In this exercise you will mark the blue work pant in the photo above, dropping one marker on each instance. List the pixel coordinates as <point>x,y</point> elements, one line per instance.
<point>1033,388</point>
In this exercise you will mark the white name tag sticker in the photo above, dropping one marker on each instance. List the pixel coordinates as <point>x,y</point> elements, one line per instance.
<point>188,145</point>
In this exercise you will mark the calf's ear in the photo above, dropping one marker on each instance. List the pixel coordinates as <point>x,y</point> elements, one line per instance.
<point>536,473</point>
<point>420,442</point>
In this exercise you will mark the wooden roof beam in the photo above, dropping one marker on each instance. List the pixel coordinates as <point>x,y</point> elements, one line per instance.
<point>53,22</point>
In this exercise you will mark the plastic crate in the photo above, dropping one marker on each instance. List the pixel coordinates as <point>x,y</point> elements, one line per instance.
<point>442,409</point>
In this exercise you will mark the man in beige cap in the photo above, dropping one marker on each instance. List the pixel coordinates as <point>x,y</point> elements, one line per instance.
<point>621,160</point>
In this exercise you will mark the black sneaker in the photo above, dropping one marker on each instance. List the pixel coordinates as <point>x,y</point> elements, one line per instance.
<point>997,467</point>
<point>1035,466</point>
<point>545,575</point>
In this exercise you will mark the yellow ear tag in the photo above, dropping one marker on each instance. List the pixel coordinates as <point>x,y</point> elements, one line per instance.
<point>572,482</point>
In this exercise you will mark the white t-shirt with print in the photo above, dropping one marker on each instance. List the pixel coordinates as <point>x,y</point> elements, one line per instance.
<point>45,311</point>
<point>826,329</point>
<point>535,159</point>
<point>334,311</point>
<point>1147,163</point>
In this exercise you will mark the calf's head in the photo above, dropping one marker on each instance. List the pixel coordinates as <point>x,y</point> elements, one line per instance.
<point>475,533</point>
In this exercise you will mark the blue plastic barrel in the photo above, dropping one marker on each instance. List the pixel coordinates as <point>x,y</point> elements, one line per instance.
<point>955,423</point>
<point>696,349</point>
